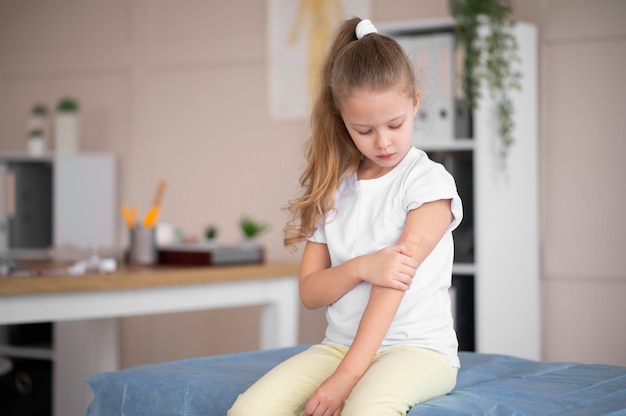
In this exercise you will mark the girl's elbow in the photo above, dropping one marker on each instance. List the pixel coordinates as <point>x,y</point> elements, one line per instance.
<point>308,302</point>
<point>310,306</point>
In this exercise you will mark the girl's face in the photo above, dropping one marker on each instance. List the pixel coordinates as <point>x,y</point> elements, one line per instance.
<point>381,126</point>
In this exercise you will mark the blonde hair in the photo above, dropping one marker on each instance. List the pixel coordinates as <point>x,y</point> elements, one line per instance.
<point>375,62</point>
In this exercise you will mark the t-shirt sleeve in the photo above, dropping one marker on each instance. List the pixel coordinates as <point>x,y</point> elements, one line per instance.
<point>429,181</point>
<point>319,236</point>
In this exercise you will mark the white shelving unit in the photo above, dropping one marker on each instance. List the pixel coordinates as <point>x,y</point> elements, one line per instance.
<point>505,266</point>
<point>85,206</point>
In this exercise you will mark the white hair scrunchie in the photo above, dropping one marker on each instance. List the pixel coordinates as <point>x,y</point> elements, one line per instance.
<point>364,28</point>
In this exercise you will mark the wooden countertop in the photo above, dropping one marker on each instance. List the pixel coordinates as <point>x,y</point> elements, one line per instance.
<point>143,277</point>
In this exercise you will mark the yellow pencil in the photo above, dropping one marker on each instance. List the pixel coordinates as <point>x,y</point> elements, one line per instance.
<point>151,217</point>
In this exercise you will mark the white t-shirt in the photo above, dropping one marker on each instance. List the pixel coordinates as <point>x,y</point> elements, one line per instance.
<point>370,215</point>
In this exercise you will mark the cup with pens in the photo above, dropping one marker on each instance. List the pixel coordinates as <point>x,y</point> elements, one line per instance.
<point>142,245</point>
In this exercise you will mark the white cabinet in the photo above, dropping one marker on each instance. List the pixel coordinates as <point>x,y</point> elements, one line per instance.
<point>80,209</point>
<point>57,200</point>
<point>499,247</point>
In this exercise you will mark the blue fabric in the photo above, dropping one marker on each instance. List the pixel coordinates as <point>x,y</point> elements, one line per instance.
<point>487,385</point>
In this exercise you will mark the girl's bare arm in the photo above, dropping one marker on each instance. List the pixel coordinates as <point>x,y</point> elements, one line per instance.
<point>321,285</point>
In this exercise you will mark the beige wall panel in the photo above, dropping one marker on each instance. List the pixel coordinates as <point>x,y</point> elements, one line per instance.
<point>66,62</point>
<point>178,336</point>
<point>400,10</point>
<point>583,321</point>
<point>585,151</point>
<point>312,325</point>
<point>198,20</point>
<point>580,19</point>
<point>42,23</point>
<point>241,50</point>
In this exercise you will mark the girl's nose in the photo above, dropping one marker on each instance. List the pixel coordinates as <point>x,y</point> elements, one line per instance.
<point>383,141</point>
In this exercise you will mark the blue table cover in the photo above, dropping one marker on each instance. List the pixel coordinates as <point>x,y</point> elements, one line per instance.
<point>487,385</point>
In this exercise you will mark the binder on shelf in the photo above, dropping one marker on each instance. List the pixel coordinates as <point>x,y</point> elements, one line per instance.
<point>434,63</point>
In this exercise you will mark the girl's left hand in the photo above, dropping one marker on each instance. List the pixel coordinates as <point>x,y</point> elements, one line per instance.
<point>330,396</point>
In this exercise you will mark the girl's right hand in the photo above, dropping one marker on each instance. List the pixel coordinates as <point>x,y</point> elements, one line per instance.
<point>391,267</point>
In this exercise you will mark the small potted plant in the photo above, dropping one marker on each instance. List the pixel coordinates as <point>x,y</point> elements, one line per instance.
<point>36,142</point>
<point>67,105</point>
<point>37,128</point>
<point>210,233</point>
<point>66,126</point>
<point>252,228</point>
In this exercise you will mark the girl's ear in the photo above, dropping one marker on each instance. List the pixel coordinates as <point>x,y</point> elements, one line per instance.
<point>416,102</point>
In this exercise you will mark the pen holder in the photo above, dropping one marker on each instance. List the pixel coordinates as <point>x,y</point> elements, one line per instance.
<point>142,246</point>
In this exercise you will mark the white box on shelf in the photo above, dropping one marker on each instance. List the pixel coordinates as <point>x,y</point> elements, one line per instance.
<point>85,200</point>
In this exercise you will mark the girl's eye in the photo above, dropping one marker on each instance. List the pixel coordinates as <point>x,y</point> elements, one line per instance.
<point>364,133</point>
<point>395,126</point>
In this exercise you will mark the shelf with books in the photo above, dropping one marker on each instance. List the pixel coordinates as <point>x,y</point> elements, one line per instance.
<point>497,243</point>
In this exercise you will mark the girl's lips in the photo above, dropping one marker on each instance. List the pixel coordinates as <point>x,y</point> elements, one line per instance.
<point>385,157</point>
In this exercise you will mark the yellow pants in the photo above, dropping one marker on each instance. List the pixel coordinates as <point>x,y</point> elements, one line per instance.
<point>395,380</point>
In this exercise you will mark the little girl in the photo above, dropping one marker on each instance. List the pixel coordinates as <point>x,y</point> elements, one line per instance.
<point>377,216</point>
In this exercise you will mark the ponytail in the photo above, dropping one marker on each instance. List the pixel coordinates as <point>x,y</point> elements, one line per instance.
<point>374,61</point>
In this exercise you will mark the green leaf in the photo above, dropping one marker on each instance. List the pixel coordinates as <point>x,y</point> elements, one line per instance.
<point>252,228</point>
<point>490,58</point>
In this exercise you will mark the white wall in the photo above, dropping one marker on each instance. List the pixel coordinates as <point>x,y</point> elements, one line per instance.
<point>178,91</point>
<point>584,147</point>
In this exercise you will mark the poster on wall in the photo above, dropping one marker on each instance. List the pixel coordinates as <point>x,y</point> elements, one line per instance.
<point>298,35</point>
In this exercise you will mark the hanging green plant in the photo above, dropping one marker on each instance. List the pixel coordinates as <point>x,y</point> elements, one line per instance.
<point>490,55</point>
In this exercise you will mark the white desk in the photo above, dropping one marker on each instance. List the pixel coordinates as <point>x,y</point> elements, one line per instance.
<point>85,311</point>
